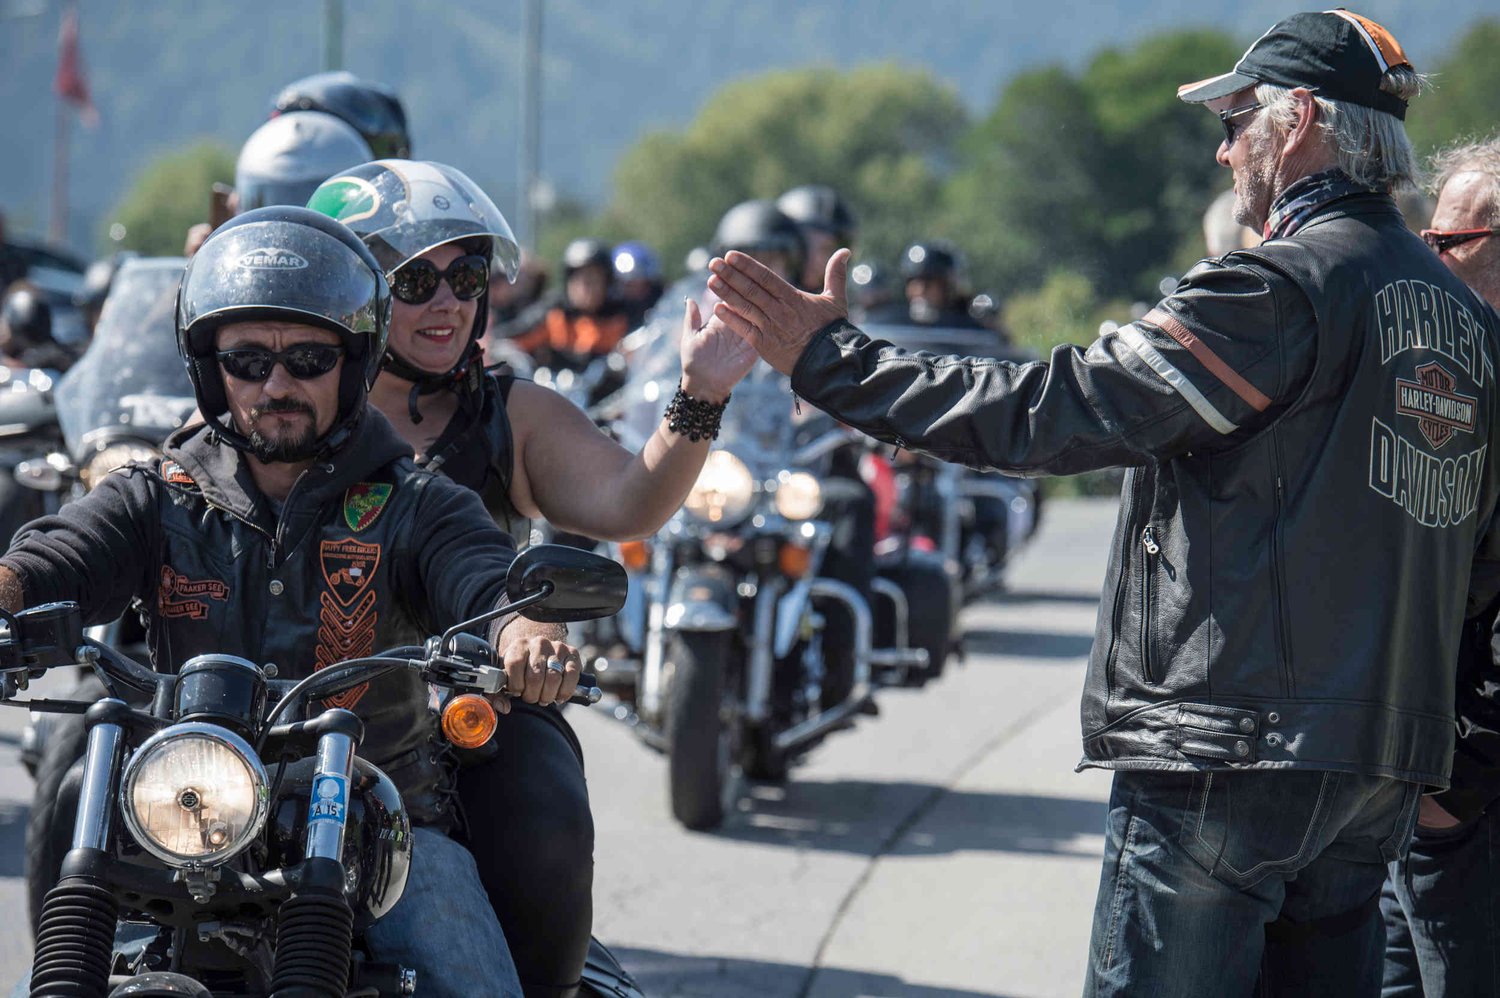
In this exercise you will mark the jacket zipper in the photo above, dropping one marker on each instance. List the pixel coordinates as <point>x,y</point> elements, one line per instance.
<point>1148,563</point>
<point>1278,589</point>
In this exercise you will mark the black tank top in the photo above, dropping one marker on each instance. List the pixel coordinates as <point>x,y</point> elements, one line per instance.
<point>477,449</point>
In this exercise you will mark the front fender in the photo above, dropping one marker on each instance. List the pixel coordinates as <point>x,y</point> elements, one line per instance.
<point>701,601</point>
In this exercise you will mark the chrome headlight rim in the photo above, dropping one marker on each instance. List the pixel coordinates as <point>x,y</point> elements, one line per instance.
<point>260,805</point>
<point>113,456</point>
<point>718,463</point>
<point>799,495</point>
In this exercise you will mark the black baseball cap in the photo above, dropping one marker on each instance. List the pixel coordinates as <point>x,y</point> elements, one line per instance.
<point>1336,54</point>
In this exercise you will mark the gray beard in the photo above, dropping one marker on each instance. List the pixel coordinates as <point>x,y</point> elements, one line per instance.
<point>1259,188</point>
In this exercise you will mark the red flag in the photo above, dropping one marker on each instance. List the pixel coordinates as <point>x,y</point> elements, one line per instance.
<point>69,84</point>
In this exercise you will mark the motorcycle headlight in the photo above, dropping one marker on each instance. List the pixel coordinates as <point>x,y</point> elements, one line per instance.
<point>194,795</point>
<point>799,496</point>
<point>115,456</point>
<point>723,491</point>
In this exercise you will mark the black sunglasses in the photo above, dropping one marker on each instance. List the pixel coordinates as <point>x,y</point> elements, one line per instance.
<point>1227,119</point>
<point>417,281</point>
<point>303,361</point>
<point>1442,240</point>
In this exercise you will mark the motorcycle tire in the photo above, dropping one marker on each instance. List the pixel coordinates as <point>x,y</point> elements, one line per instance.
<point>763,760</point>
<point>699,753</point>
<point>932,603</point>
<point>49,827</point>
<point>604,977</point>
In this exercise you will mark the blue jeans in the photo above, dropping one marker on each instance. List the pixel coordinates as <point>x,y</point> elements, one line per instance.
<point>1245,882</point>
<point>444,927</point>
<point>1442,913</point>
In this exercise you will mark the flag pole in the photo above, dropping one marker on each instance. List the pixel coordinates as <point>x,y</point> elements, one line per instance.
<point>57,229</point>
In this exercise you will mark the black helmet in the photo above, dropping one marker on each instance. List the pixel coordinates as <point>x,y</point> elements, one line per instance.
<point>760,225</point>
<point>289,265</point>
<point>933,258</point>
<point>286,159</point>
<point>818,206</point>
<point>27,319</point>
<point>402,208</point>
<point>582,253</point>
<point>373,110</point>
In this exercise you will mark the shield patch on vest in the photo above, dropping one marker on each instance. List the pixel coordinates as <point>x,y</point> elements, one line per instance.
<point>363,503</point>
<point>349,568</point>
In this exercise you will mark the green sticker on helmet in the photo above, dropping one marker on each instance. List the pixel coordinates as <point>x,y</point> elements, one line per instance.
<point>347,199</point>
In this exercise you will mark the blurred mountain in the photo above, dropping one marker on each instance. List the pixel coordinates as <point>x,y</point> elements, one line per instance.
<point>165,73</point>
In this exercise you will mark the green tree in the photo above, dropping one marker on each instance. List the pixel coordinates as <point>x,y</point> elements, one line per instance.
<point>168,197</point>
<point>1465,94</point>
<point>881,134</point>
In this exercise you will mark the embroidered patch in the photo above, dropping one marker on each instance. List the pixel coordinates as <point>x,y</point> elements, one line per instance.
<point>347,609</point>
<point>178,596</point>
<point>363,503</point>
<point>1439,408</point>
<point>172,472</point>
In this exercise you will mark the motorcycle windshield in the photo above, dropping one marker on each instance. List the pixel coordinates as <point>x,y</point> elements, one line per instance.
<point>758,425</point>
<point>131,381</point>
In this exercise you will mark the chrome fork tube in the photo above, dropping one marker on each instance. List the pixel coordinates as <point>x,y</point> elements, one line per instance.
<point>96,798</point>
<point>328,811</point>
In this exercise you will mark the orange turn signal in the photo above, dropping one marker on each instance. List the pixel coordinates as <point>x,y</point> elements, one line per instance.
<point>794,560</point>
<point>469,720</point>
<point>635,555</point>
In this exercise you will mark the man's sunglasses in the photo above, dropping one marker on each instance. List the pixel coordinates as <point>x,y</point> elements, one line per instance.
<point>1227,119</point>
<point>417,281</point>
<point>1442,240</point>
<point>303,361</point>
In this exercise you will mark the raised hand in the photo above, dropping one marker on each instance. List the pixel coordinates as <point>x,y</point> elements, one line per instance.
<point>714,359</point>
<point>768,313</point>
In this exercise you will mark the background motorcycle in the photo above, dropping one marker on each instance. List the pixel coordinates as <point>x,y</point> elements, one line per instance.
<point>720,649</point>
<point>193,869</point>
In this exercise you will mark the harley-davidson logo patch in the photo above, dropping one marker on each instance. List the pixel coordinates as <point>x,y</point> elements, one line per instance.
<point>178,595</point>
<point>1439,410</point>
<point>363,503</point>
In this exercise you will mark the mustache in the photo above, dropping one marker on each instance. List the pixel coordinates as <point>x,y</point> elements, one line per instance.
<point>281,405</point>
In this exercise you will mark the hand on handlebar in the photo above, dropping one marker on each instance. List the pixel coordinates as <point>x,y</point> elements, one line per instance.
<point>538,670</point>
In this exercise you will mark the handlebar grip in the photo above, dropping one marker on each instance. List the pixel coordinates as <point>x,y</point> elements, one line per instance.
<point>588,690</point>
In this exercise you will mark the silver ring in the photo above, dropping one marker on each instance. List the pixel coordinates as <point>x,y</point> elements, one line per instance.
<point>554,665</point>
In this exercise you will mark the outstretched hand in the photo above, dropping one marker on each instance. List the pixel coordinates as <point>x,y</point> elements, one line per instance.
<point>768,313</point>
<point>713,358</point>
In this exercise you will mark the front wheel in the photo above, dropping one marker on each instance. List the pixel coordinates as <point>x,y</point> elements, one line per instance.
<point>700,748</point>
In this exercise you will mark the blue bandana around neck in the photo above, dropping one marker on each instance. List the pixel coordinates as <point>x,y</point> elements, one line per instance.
<point>1305,197</point>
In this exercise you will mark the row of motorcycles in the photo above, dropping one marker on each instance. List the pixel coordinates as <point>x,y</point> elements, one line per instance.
<point>746,639</point>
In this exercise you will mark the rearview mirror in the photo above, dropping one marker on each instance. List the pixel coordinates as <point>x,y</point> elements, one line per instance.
<point>585,586</point>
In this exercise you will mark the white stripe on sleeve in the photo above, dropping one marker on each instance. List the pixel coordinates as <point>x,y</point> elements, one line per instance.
<point>1132,337</point>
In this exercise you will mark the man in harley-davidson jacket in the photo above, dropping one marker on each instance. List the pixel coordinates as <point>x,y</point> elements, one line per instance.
<point>1307,428</point>
<point>293,529</point>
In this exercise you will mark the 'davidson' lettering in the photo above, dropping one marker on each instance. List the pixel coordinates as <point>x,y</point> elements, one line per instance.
<point>1417,315</point>
<point>1435,492</point>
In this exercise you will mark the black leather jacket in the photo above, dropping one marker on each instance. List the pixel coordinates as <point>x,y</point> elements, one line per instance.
<point>367,552</point>
<point>1306,427</point>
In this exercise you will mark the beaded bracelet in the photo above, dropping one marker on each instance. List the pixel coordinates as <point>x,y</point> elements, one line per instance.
<point>695,419</point>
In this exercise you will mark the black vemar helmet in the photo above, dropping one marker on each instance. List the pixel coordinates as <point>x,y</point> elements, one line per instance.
<point>283,264</point>
<point>818,206</point>
<point>932,258</point>
<point>759,225</point>
<point>582,253</point>
<point>402,208</point>
<point>374,110</point>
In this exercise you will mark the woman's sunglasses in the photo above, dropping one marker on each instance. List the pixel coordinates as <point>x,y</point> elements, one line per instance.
<point>1442,240</point>
<point>303,361</point>
<point>1226,118</point>
<point>417,281</point>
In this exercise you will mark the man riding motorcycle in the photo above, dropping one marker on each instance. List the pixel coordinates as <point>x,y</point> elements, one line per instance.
<point>295,503</point>
<point>586,322</point>
<point>826,222</point>
<point>528,452</point>
<point>373,110</point>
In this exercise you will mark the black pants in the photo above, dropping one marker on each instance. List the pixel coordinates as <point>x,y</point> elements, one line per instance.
<point>526,807</point>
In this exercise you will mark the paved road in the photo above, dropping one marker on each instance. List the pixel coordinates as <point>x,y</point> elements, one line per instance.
<point>946,848</point>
